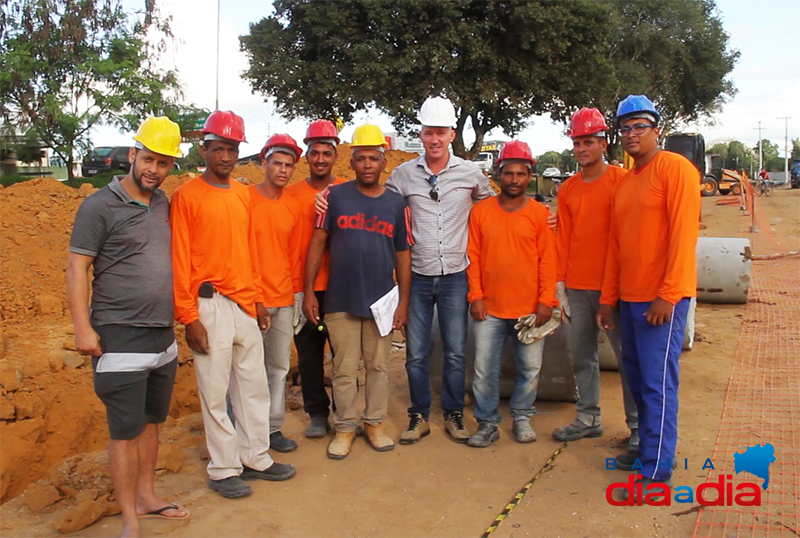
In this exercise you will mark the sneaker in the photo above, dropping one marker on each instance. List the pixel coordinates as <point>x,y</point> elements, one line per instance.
<point>644,482</point>
<point>276,472</point>
<point>377,438</point>
<point>280,443</point>
<point>626,461</point>
<point>418,428</point>
<point>454,426</point>
<point>318,428</point>
<point>633,441</point>
<point>577,430</point>
<point>486,435</point>
<point>231,488</point>
<point>339,448</point>
<point>523,431</point>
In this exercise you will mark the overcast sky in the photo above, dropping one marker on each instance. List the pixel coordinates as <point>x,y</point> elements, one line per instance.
<point>767,74</point>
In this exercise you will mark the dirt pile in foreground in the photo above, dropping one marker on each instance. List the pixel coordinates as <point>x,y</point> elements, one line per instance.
<point>48,409</point>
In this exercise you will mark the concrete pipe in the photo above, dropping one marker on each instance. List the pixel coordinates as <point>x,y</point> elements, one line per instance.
<point>608,361</point>
<point>556,379</point>
<point>723,270</point>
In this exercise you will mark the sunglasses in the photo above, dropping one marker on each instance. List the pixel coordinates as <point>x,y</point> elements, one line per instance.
<point>434,192</point>
<point>637,129</point>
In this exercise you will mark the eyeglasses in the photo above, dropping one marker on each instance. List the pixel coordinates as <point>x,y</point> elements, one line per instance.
<point>434,192</point>
<point>637,129</point>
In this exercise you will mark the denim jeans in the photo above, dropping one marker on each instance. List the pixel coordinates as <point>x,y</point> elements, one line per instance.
<point>490,338</point>
<point>449,294</point>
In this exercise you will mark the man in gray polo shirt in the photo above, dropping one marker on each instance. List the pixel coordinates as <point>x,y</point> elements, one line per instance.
<point>123,233</point>
<point>440,188</point>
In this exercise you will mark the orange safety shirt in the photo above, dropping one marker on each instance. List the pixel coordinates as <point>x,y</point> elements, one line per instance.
<point>275,223</point>
<point>212,241</point>
<point>584,216</point>
<point>305,195</point>
<point>653,235</point>
<point>512,259</point>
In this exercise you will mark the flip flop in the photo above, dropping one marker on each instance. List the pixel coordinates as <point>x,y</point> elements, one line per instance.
<point>160,512</point>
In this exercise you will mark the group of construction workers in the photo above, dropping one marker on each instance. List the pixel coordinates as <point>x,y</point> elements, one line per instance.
<point>248,269</point>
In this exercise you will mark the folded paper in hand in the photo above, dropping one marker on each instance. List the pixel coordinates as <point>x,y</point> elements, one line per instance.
<point>383,310</point>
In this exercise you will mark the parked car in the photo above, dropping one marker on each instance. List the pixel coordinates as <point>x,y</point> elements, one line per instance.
<point>104,159</point>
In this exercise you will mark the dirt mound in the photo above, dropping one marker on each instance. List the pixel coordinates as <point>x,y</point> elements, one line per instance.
<point>48,409</point>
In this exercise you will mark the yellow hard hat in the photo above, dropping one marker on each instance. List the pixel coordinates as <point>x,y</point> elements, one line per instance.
<point>161,135</point>
<point>368,135</point>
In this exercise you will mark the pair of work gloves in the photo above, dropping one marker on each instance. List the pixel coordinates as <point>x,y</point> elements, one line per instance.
<point>528,333</point>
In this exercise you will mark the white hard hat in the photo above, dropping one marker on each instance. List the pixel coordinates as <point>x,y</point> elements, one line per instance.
<point>437,112</point>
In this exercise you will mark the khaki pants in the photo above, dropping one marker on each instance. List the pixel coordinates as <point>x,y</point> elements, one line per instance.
<point>235,364</point>
<point>277,355</point>
<point>353,338</point>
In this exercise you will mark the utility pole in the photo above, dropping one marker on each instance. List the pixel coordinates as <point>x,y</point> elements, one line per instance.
<point>216,99</point>
<point>785,147</point>
<point>760,159</point>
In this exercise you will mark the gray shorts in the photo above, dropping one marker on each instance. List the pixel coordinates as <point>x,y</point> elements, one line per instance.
<point>134,376</point>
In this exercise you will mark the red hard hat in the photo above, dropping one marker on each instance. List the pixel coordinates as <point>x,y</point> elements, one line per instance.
<point>587,122</point>
<point>321,129</point>
<point>516,150</point>
<point>282,140</point>
<point>225,124</point>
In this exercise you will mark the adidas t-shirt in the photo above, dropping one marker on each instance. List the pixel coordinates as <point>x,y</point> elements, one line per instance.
<point>364,234</point>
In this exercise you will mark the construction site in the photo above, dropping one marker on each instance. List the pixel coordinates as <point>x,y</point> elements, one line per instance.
<point>740,387</point>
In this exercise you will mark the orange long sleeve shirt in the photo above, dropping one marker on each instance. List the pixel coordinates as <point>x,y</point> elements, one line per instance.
<point>275,224</point>
<point>584,217</point>
<point>512,259</point>
<point>653,233</point>
<point>212,241</point>
<point>305,196</point>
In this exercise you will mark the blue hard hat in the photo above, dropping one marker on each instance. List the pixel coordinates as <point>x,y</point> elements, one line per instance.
<point>636,103</point>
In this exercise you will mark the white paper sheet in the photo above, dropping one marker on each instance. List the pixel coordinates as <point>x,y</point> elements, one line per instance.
<point>383,310</point>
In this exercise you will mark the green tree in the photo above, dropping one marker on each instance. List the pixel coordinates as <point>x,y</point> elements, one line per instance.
<point>795,149</point>
<point>739,156</point>
<point>674,51</point>
<point>69,65</point>
<point>769,155</point>
<point>193,159</point>
<point>548,159</point>
<point>498,62</point>
<point>568,162</point>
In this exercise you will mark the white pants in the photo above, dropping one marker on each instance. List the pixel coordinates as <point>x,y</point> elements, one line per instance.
<point>277,355</point>
<point>235,363</point>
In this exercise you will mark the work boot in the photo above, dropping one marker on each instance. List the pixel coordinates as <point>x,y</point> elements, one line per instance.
<point>454,426</point>
<point>644,482</point>
<point>231,488</point>
<point>577,430</point>
<point>339,448</point>
<point>418,428</point>
<point>626,461</point>
<point>280,443</point>
<point>523,431</point>
<point>277,472</point>
<point>633,441</point>
<point>318,428</point>
<point>486,435</point>
<point>377,438</point>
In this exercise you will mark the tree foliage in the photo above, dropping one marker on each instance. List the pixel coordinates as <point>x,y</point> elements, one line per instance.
<point>674,51</point>
<point>499,62</point>
<point>69,65</point>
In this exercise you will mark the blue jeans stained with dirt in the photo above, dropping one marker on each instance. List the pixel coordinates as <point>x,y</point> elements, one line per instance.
<point>449,294</point>
<point>490,338</point>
